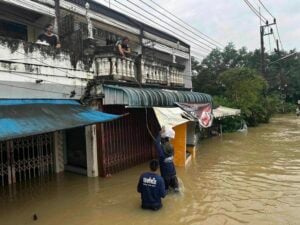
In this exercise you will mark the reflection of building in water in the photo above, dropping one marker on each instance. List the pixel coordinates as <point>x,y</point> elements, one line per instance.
<point>48,86</point>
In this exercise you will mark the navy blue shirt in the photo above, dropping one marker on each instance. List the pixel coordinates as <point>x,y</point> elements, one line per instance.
<point>152,189</point>
<point>166,164</point>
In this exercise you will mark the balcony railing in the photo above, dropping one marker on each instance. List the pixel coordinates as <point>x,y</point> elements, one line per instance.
<point>21,56</point>
<point>110,63</point>
<point>161,72</point>
<point>153,72</point>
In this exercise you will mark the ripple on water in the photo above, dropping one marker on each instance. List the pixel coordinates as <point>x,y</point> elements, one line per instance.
<point>251,178</point>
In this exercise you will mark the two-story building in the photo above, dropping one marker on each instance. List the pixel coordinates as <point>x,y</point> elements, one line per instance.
<point>50,118</point>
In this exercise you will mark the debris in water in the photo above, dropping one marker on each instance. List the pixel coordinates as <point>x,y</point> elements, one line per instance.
<point>34,217</point>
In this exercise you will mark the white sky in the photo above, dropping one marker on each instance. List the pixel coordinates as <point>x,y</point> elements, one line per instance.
<point>225,20</point>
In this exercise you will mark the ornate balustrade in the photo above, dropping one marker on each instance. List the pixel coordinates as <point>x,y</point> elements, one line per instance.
<point>111,64</point>
<point>153,72</point>
<point>164,73</point>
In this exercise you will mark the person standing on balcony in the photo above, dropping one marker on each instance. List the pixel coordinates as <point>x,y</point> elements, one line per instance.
<point>49,37</point>
<point>122,46</point>
<point>152,188</point>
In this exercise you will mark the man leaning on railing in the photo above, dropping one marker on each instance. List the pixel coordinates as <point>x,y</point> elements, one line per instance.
<point>122,46</point>
<point>49,38</point>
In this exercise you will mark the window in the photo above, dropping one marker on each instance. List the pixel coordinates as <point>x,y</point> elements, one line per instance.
<point>13,30</point>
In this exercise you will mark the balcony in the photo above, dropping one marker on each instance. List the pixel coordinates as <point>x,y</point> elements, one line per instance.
<point>161,72</point>
<point>38,71</point>
<point>110,64</point>
<point>147,71</point>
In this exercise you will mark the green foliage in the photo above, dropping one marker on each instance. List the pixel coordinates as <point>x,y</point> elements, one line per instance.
<point>232,77</point>
<point>231,124</point>
<point>245,89</point>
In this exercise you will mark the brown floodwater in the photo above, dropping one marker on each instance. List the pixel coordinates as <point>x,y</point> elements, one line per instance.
<point>251,178</point>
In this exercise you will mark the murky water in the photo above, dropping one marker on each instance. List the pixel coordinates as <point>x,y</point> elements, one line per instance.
<point>237,179</point>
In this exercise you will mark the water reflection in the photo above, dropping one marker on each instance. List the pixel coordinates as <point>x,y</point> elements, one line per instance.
<point>237,179</point>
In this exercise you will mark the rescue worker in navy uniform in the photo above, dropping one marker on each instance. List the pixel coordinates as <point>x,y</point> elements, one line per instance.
<point>152,188</point>
<point>165,152</point>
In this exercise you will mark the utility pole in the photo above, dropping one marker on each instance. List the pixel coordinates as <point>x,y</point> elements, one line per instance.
<point>262,49</point>
<point>262,44</point>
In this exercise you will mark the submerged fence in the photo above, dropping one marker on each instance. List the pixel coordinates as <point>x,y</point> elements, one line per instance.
<point>25,158</point>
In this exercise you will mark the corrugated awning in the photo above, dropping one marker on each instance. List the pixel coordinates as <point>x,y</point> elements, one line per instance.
<point>150,97</point>
<point>169,116</point>
<point>20,118</point>
<point>222,111</point>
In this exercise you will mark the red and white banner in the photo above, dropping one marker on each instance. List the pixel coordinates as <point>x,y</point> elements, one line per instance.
<point>201,112</point>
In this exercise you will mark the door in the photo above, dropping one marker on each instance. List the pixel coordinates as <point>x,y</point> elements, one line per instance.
<point>76,148</point>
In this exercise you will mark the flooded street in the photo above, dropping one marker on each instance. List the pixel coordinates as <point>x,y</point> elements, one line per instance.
<point>249,178</point>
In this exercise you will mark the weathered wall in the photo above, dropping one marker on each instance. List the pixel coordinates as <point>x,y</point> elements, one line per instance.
<point>29,70</point>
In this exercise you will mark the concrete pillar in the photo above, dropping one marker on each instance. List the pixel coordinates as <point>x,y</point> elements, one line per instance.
<point>119,66</point>
<point>106,66</point>
<point>143,74</point>
<point>91,151</point>
<point>123,67</point>
<point>113,66</point>
<point>99,67</point>
<point>127,73</point>
<point>132,69</point>
<point>59,165</point>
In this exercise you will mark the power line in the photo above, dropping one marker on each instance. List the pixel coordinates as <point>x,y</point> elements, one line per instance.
<point>142,16</point>
<point>266,8</point>
<point>179,24</point>
<point>22,87</point>
<point>21,74</point>
<point>168,24</point>
<point>279,37</point>
<point>45,64</point>
<point>277,30</point>
<point>270,40</point>
<point>186,23</point>
<point>255,11</point>
<point>172,32</point>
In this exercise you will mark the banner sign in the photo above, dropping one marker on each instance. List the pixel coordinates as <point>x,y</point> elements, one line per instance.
<point>200,112</point>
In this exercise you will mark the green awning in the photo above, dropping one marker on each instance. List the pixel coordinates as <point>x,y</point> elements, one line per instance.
<point>150,97</point>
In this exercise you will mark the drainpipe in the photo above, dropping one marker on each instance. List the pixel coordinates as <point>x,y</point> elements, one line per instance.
<point>57,17</point>
<point>140,78</point>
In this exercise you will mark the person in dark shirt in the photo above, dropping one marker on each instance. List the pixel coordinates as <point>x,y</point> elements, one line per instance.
<point>165,152</point>
<point>49,37</point>
<point>152,188</point>
<point>122,46</point>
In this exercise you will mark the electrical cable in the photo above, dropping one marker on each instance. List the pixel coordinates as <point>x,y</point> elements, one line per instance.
<point>186,23</point>
<point>270,40</point>
<point>22,87</point>
<point>179,24</point>
<point>277,30</point>
<point>255,11</point>
<point>172,32</point>
<point>279,37</point>
<point>266,8</point>
<point>118,7</point>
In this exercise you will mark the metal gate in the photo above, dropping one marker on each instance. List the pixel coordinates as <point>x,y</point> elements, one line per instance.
<point>26,158</point>
<point>125,142</point>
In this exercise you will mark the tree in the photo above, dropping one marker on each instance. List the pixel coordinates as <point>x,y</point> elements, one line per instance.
<point>283,77</point>
<point>245,89</point>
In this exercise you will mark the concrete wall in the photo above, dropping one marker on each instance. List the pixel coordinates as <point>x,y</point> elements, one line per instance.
<point>29,70</point>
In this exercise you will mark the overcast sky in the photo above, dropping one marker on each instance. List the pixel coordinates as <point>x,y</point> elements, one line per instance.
<point>227,20</point>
